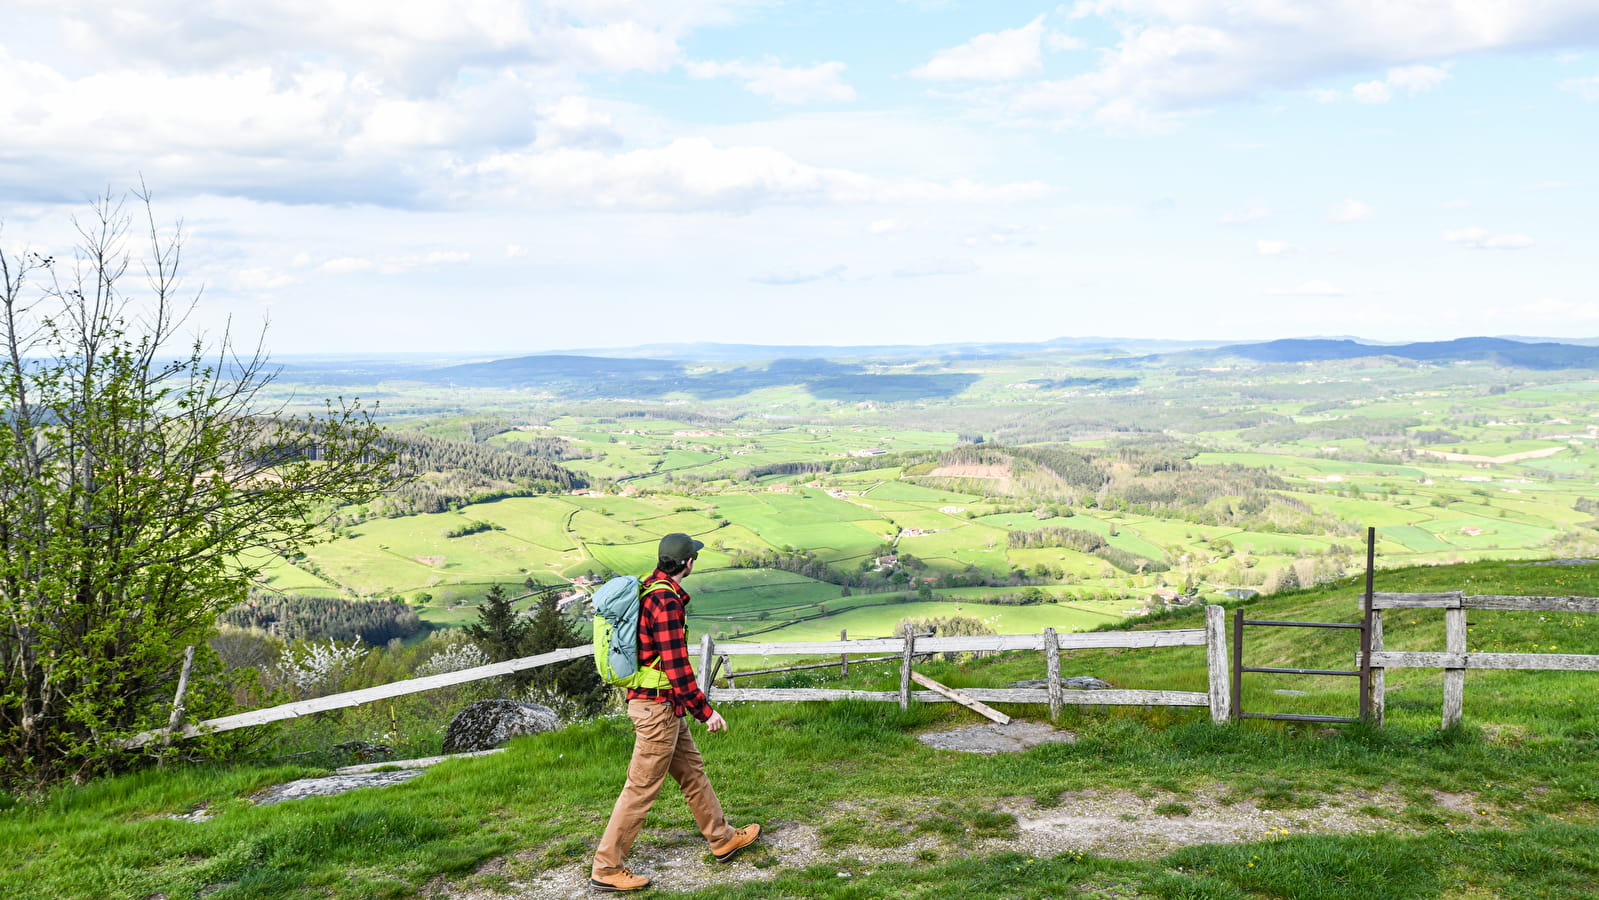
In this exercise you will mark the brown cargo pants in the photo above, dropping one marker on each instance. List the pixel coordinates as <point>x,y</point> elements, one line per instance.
<point>662,746</point>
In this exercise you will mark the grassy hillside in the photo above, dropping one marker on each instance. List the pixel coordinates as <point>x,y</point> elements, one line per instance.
<point>1506,806</point>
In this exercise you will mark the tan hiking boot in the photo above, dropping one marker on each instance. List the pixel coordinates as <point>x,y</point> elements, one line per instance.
<point>623,880</point>
<point>741,838</point>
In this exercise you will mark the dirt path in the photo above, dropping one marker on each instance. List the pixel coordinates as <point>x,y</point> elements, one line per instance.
<point>1507,458</point>
<point>1115,823</point>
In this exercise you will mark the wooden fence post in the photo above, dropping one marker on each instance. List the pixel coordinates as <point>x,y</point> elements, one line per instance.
<point>843,658</point>
<point>176,718</point>
<point>1052,667</point>
<point>1454,679</point>
<point>905,670</point>
<point>1216,663</point>
<point>1379,677</point>
<point>707,651</point>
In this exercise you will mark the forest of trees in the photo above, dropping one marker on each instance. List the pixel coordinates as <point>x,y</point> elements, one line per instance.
<point>294,616</point>
<point>446,474</point>
<point>1085,542</point>
<point>1154,477</point>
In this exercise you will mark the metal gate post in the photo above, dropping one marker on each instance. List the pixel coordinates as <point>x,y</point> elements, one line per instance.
<point>1365,627</point>
<point>1238,665</point>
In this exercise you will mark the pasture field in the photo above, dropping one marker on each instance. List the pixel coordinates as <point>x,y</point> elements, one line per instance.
<point>279,575</point>
<point>1348,439</point>
<point>1078,566</point>
<point>537,520</point>
<point>879,621</point>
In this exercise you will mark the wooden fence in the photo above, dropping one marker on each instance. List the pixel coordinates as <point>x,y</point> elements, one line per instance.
<point>1456,659</point>
<point>357,698</point>
<point>1050,643</point>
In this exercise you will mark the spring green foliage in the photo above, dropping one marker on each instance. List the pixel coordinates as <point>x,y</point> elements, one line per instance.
<point>135,475</point>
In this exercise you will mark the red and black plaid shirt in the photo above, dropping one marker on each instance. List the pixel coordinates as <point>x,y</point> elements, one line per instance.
<point>663,632</point>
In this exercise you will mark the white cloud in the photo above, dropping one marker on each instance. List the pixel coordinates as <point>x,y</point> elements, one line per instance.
<point>1247,215</point>
<point>787,279</point>
<point>515,251</point>
<point>1002,235</point>
<point>1482,239</point>
<point>928,268</point>
<point>323,136</point>
<point>573,121</point>
<point>1372,92</point>
<point>1174,56</point>
<point>1275,248</point>
<point>1350,211</point>
<point>693,173</point>
<point>418,43</point>
<point>338,101</point>
<point>1586,88</point>
<point>392,265</point>
<point>345,265</point>
<point>820,83</point>
<point>1309,289</point>
<point>262,279</point>
<point>1059,41</point>
<point>885,226</point>
<point>1417,79</point>
<point>1403,80</point>
<point>999,56</point>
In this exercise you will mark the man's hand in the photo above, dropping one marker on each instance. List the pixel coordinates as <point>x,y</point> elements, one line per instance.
<point>716,723</point>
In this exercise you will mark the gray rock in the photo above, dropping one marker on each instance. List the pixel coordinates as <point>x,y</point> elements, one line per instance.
<point>1073,683</point>
<point>990,739</point>
<point>487,724</point>
<point>327,787</point>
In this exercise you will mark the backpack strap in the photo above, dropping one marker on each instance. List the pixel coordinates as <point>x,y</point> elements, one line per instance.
<point>644,588</point>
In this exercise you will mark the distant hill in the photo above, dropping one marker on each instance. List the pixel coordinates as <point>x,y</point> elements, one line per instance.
<point>596,376</point>
<point>714,352</point>
<point>1500,351</point>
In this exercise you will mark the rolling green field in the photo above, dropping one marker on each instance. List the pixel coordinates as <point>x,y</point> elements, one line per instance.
<point>879,621</point>
<point>780,470</point>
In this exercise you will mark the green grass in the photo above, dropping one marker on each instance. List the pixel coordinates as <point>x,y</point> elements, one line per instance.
<point>854,771</point>
<point>879,621</point>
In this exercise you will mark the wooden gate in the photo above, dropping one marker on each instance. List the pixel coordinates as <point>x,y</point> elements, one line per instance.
<point>1363,672</point>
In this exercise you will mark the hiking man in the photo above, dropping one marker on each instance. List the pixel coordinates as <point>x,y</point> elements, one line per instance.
<point>662,744</point>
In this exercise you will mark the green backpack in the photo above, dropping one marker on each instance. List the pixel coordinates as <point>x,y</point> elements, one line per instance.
<point>616,615</point>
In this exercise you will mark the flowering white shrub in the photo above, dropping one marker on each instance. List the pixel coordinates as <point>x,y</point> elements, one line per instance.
<point>453,658</point>
<point>312,667</point>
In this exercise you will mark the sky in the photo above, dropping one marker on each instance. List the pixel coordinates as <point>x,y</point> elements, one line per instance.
<point>499,177</point>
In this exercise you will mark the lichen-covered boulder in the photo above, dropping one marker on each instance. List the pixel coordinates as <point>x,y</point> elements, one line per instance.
<point>487,724</point>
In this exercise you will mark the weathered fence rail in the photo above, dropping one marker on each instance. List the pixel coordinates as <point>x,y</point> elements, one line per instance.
<point>357,698</point>
<point>1456,658</point>
<point>1212,636</point>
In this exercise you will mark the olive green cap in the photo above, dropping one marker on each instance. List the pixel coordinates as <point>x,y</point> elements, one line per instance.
<point>679,547</point>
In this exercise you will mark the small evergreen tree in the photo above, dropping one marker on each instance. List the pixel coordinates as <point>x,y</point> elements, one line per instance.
<point>503,635</point>
<point>574,679</point>
<point>500,633</point>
